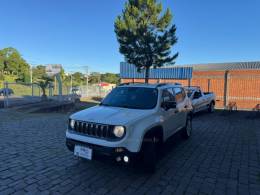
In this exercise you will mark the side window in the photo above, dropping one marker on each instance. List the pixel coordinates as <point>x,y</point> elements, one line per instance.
<point>200,93</point>
<point>168,95</point>
<point>179,94</point>
<point>197,94</point>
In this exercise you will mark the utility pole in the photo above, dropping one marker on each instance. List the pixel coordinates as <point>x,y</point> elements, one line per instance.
<point>71,82</point>
<point>55,85</point>
<point>87,79</point>
<point>31,77</point>
<point>99,83</point>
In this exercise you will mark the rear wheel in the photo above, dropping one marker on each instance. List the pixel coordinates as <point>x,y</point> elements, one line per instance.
<point>193,111</point>
<point>211,107</point>
<point>186,132</point>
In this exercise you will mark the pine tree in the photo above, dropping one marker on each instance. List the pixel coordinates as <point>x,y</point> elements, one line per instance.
<point>146,35</point>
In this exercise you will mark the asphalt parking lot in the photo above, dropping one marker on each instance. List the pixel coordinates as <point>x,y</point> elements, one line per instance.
<point>221,157</point>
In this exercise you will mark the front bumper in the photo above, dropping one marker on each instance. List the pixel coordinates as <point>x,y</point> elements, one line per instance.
<point>98,151</point>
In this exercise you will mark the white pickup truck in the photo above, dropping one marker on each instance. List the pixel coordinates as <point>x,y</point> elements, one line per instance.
<point>201,100</point>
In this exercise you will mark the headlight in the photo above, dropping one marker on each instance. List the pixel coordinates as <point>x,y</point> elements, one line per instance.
<point>119,131</point>
<point>72,123</point>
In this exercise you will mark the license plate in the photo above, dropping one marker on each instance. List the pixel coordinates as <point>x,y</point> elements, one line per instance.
<point>83,152</point>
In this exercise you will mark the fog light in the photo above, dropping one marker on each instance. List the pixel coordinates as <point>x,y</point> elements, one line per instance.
<point>126,159</point>
<point>118,159</point>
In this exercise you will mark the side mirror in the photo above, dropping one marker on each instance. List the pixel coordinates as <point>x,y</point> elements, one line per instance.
<point>168,105</point>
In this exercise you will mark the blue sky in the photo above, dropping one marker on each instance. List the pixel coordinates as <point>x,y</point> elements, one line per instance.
<point>77,33</point>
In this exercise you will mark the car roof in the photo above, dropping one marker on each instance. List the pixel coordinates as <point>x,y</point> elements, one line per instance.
<point>193,88</point>
<point>155,86</point>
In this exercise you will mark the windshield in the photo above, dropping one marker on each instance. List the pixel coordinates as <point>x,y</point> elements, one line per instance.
<point>189,92</point>
<point>132,97</point>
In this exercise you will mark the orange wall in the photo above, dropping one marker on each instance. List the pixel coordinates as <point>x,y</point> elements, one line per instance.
<point>243,86</point>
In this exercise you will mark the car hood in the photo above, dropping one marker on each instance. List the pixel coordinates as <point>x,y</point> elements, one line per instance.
<point>110,115</point>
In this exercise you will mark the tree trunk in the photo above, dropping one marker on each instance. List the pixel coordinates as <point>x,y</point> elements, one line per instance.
<point>147,74</point>
<point>44,96</point>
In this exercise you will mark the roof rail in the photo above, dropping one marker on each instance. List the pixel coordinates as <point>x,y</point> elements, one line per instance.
<point>193,86</point>
<point>163,84</point>
<point>122,84</point>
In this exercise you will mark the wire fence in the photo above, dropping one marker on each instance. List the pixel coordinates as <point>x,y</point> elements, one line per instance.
<point>15,94</point>
<point>94,91</point>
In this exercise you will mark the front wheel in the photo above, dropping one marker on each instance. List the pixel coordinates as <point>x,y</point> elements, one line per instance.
<point>186,131</point>
<point>149,153</point>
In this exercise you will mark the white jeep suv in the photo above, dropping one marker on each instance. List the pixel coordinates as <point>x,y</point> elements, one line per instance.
<point>131,123</point>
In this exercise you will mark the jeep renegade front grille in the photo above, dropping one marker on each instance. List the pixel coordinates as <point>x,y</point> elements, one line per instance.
<point>94,130</point>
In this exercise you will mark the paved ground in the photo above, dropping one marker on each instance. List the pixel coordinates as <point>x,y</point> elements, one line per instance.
<point>222,157</point>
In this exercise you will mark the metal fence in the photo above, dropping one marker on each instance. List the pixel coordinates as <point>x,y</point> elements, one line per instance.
<point>93,91</point>
<point>17,94</point>
<point>13,94</point>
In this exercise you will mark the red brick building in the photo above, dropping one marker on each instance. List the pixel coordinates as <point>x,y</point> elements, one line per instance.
<point>231,82</point>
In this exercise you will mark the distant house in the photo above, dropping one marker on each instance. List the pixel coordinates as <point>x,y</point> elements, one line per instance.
<point>107,86</point>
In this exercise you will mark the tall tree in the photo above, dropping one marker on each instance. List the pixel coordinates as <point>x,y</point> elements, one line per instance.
<point>146,35</point>
<point>2,62</point>
<point>38,72</point>
<point>110,78</point>
<point>78,78</point>
<point>12,62</point>
<point>94,77</point>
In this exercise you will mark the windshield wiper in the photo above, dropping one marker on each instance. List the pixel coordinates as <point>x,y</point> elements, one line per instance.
<point>120,106</point>
<point>130,107</point>
<point>102,104</point>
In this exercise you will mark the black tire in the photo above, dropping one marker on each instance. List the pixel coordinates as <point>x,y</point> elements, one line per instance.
<point>193,111</point>
<point>211,107</point>
<point>186,131</point>
<point>149,154</point>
